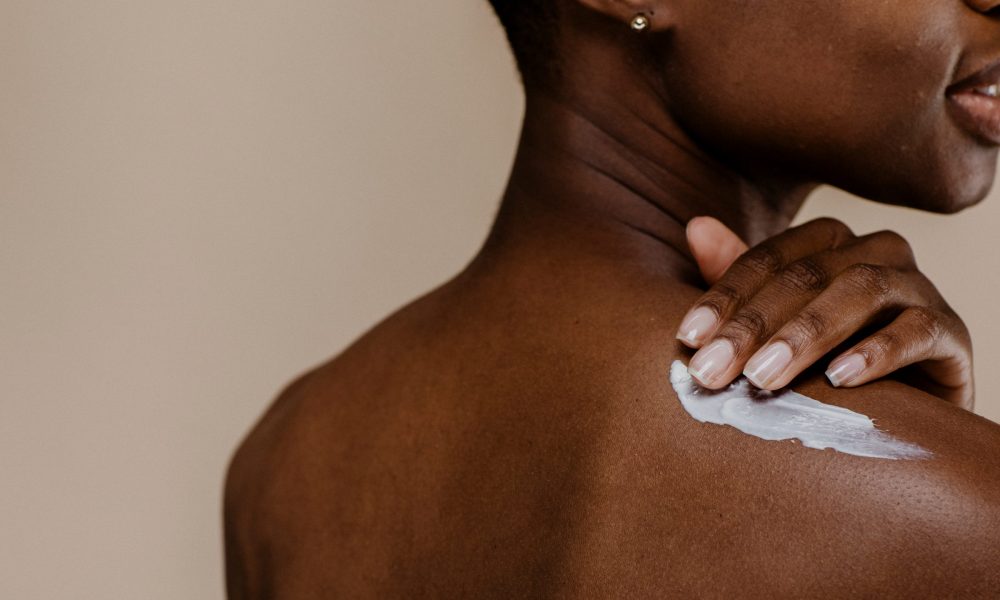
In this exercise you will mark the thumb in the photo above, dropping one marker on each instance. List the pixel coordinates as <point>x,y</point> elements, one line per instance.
<point>714,247</point>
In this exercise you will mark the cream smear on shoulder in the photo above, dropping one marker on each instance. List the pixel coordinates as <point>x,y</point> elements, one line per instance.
<point>786,415</point>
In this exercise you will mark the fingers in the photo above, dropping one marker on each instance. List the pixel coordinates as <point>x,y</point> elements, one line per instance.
<point>752,270</point>
<point>783,305</point>
<point>714,246</point>
<point>918,335</point>
<point>723,359</point>
<point>857,297</point>
<point>859,292</point>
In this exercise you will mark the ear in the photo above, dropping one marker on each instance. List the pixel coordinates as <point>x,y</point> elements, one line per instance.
<point>656,11</point>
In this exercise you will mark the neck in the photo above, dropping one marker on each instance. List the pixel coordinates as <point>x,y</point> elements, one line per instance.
<point>620,177</point>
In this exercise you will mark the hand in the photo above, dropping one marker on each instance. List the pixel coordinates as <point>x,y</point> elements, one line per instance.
<point>779,307</point>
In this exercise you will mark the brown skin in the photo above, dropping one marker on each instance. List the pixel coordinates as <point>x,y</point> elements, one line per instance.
<point>813,287</point>
<point>514,432</point>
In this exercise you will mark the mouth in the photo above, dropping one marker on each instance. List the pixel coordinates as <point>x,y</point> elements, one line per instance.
<point>975,104</point>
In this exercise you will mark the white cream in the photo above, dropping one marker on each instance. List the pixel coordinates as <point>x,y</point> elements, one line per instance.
<point>786,415</point>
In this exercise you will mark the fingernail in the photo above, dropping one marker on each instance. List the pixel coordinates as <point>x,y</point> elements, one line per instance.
<point>711,361</point>
<point>697,325</point>
<point>845,369</point>
<point>766,365</point>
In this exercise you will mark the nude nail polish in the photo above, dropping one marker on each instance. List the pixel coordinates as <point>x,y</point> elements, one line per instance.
<point>768,364</point>
<point>711,361</point>
<point>845,369</point>
<point>697,325</point>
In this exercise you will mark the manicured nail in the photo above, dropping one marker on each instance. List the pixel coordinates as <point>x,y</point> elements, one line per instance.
<point>845,369</point>
<point>766,365</point>
<point>696,326</point>
<point>711,361</point>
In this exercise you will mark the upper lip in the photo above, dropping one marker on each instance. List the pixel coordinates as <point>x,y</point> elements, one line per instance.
<point>986,76</point>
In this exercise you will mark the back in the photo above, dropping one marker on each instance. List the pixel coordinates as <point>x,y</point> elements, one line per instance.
<point>512,435</point>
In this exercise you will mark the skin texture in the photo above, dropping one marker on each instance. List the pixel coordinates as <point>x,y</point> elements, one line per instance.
<point>776,309</point>
<point>866,82</point>
<point>514,432</point>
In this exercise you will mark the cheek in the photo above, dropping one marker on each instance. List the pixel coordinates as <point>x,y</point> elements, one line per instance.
<point>849,93</point>
<point>898,143</point>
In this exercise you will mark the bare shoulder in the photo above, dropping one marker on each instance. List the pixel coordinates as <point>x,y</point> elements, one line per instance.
<point>818,521</point>
<point>438,444</point>
<point>695,502</point>
<point>255,497</point>
<point>949,501</point>
<point>964,448</point>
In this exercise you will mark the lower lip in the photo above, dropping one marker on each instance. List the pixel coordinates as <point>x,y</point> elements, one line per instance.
<point>979,115</point>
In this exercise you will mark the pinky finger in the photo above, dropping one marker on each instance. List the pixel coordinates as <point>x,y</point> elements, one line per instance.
<point>918,334</point>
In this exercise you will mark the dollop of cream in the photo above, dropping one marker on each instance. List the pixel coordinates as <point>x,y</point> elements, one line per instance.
<point>786,415</point>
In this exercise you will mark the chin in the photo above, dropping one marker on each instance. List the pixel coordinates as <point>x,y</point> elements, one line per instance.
<point>968,189</point>
<point>946,199</point>
<point>948,190</point>
<point>950,206</point>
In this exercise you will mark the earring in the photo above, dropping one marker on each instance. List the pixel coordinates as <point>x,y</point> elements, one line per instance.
<point>640,22</point>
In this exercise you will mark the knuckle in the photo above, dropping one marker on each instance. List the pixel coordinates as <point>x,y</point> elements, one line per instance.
<point>873,280</point>
<point>723,296</point>
<point>837,230</point>
<point>805,275</point>
<point>927,322</point>
<point>894,242</point>
<point>954,323</point>
<point>749,323</point>
<point>879,347</point>
<point>763,260</point>
<point>810,324</point>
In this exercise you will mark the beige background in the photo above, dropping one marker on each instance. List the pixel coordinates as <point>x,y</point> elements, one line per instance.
<point>200,198</point>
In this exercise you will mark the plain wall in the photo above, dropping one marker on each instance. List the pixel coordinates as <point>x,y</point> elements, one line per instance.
<point>200,199</point>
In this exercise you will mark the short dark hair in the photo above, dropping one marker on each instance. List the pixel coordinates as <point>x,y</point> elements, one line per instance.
<point>530,27</point>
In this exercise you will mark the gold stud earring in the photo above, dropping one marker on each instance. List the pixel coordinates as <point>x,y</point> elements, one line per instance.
<point>640,22</point>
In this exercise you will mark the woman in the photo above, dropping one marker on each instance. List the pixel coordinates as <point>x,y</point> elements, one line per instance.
<point>515,432</point>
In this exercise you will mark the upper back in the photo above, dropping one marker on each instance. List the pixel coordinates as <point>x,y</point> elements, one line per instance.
<point>512,437</point>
